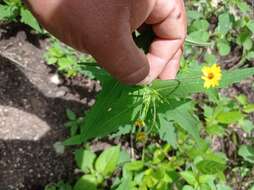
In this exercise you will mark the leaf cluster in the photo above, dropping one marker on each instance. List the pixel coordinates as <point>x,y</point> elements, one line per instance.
<point>15,11</point>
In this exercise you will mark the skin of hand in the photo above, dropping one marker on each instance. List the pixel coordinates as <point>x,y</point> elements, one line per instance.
<point>104,29</point>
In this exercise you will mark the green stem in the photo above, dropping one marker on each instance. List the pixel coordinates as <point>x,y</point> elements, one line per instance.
<point>195,43</point>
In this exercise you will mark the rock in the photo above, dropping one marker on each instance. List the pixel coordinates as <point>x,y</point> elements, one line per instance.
<point>60,93</point>
<point>55,79</point>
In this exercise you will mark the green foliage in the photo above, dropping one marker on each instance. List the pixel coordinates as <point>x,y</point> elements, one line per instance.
<point>96,169</point>
<point>224,24</point>
<point>85,159</point>
<point>68,61</point>
<point>59,186</point>
<point>167,131</point>
<point>107,161</point>
<point>247,152</point>
<point>119,105</point>
<point>167,112</point>
<point>74,122</point>
<point>225,111</point>
<point>171,136</point>
<point>14,10</point>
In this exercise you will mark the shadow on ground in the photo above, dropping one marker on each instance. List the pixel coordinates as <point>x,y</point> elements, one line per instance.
<point>30,123</point>
<point>12,29</point>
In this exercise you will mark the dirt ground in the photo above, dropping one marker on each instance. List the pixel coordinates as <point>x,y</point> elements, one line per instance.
<point>32,113</point>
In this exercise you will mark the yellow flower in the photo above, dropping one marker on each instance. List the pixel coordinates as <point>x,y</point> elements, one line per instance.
<point>211,75</point>
<point>140,136</point>
<point>139,123</point>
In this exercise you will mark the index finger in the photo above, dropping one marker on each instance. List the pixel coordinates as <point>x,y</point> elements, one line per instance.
<point>168,20</point>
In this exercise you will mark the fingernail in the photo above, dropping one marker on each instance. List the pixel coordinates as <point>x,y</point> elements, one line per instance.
<point>146,81</point>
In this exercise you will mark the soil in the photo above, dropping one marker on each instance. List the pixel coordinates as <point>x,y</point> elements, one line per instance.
<point>32,112</point>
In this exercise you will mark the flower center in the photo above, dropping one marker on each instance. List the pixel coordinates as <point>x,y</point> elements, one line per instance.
<point>210,76</point>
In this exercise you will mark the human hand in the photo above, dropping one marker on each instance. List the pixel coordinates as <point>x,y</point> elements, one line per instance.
<point>104,29</point>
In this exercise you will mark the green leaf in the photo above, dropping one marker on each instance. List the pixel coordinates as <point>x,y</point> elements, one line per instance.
<point>158,156</point>
<point>51,60</point>
<point>229,117</point>
<point>124,157</point>
<point>247,152</point>
<point>244,36</point>
<point>210,59</point>
<point>71,115</point>
<point>242,99</point>
<point>187,187</point>
<point>122,131</point>
<point>248,108</point>
<point>247,126</point>
<point>224,24</point>
<point>7,12</point>
<point>93,71</point>
<point>85,159</point>
<point>190,82</point>
<point>56,50</point>
<point>223,187</point>
<point>198,36</point>
<point>193,15</point>
<point>216,156</point>
<point>210,167</point>
<point>87,182</point>
<point>250,55</point>
<point>243,6</point>
<point>205,187</point>
<point>182,115</point>
<point>50,187</point>
<point>250,25</point>
<point>234,76</point>
<point>215,130</point>
<point>248,44</point>
<point>223,47</point>
<point>28,18</point>
<point>167,131</point>
<point>107,161</point>
<point>115,107</point>
<point>166,87</point>
<point>127,184</point>
<point>206,179</point>
<point>198,150</point>
<point>65,63</point>
<point>189,177</point>
<point>134,166</point>
<point>73,140</point>
<point>200,25</point>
